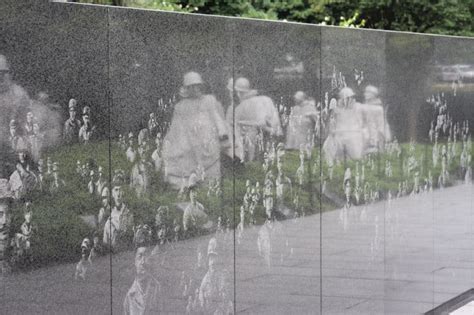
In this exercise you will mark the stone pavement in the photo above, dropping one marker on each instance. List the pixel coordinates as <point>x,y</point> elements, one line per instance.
<point>403,256</point>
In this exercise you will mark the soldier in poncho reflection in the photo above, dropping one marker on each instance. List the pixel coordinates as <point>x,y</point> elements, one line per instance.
<point>345,129</point>
<point>256,119</point>
<point>197,134</point>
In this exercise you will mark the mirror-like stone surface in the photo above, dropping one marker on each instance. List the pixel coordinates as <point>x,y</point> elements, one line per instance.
<point>355,132</point>
<point>155,162</point>
<point>276,118</point>
<point>54,152</point>
<point>453,215</point>
<point>171,145</point>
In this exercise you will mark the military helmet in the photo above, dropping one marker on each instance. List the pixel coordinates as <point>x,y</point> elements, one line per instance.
<point>192,78</point>
<point>72,104</point>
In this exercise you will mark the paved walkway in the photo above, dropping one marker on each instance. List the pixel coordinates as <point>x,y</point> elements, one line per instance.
<point>399,257</point>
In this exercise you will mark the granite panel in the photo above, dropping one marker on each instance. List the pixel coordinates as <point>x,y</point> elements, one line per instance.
<point>170,138</point>
<point>54,53</point>
<point>276,74</point>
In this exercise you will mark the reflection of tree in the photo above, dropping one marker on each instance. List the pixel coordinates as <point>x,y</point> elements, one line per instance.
<point>408,80</point>
<point>290,68</point>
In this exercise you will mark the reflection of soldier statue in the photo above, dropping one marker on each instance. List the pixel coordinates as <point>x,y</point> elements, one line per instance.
<point>91,187</point>
<point>194,216</point>
<point>376,128</point>
<point>87,130</point>
<point>302,122</point>
<point>254,116</point>
<point>23,180</point>
<point>269,241</point>
<point>72,125</point>
<point>347,186</point>
<point>28,127</point>
<point>140,177</point>
<point>101,182</point>
<point>196,135</point>
<point>36,142</point>
<point>152,125</point>
<point>120,222</point>
<point>144,295</point>
<point>156,155</point>
<point>42,181</point>
<point>57,183</point>
<point>131,153</point>
<point>17,142</point>
<point>5,203</point>
<point>104,211</point>
<point>13,98</point>
<point>23,238</point>
<point>345,138</point>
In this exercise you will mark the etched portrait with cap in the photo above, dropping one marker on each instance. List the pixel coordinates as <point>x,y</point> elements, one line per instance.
<point>72,125</point>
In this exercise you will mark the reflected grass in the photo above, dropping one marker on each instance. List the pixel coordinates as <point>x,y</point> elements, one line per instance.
<point>60,229</point>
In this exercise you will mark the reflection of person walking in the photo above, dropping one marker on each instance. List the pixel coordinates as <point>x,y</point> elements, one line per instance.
<point>72,125</point>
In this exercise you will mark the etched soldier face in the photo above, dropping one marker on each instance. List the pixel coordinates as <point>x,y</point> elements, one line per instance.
<point>117,194</point>
<point>21,157</point>
<point>194,91</point>
<point>28,217</point>
<point>72,114</point>
<point>105,201</point>
<point>29,117</point>
<point>140,261</point>
<point>4,80</point>
<point>347,102</point>
<point>212,262</point>
<point>368,95</point>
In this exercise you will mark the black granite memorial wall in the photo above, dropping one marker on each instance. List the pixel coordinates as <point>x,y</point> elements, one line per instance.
<point>157,162</point>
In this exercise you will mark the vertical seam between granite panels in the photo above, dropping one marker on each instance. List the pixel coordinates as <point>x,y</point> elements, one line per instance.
<point>232,32</point>
<point>110,147</point>
<point>320,177</point>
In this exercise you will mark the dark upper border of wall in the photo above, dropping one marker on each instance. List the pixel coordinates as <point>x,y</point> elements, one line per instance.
<point>268,21</point>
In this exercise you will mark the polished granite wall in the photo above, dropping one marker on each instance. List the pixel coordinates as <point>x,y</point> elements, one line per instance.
<point>348,206</point>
